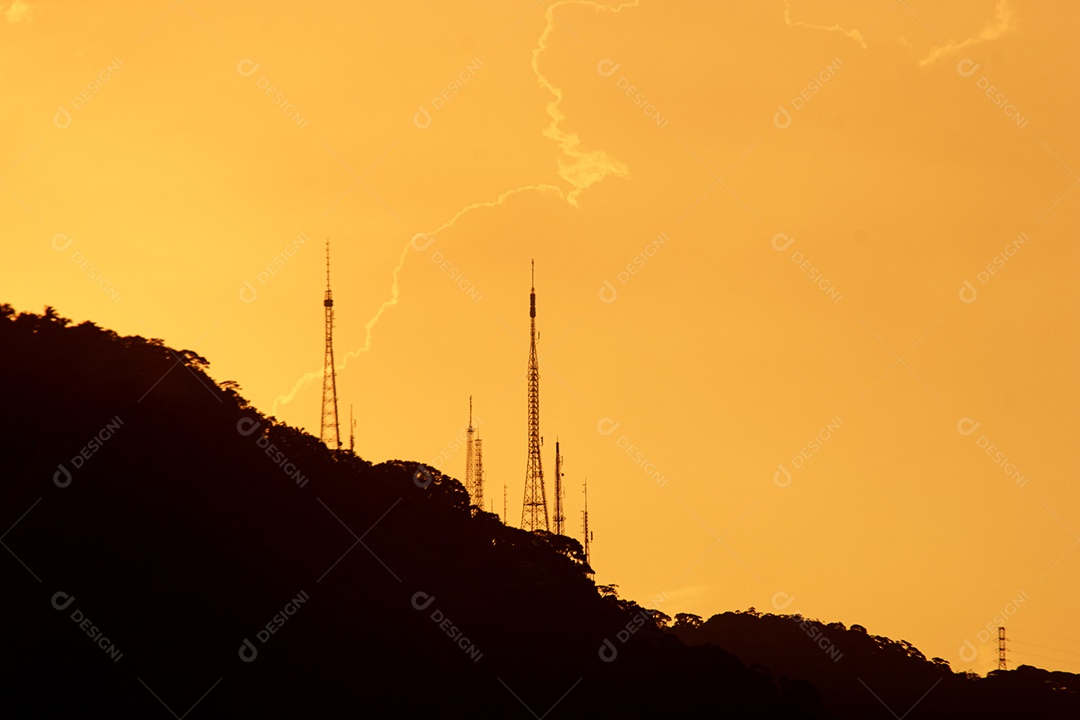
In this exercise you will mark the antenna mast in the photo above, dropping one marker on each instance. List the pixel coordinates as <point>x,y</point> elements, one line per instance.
<point>478,473</point>
<point>474,464</point>
<point>330,432</point>
<point>586,534</point>
<point>534,512</point>
<point>1001,648</point>
<point>560,518</point>
<point>470,470</point>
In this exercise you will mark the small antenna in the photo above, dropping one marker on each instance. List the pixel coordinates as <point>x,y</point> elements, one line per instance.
<point>352,432</point>
<point>560,518</point>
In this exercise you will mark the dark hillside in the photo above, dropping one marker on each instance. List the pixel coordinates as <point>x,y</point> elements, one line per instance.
<point>157,528</point>
<point>860,675</point>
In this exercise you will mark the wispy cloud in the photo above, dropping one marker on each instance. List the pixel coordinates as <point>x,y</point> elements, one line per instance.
<point>17,12</point>
<point>853,34</point>
<point>994,29</point>
<point>579,168</point>
<point>582,169</point>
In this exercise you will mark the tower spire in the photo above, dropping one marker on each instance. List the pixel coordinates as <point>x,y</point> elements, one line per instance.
<point>330,432</point>
<point>534,511</point>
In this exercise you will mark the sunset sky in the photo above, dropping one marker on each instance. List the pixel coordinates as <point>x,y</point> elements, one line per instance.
<point>805,272</point>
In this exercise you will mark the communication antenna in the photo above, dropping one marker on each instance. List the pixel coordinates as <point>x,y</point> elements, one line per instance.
<point>352,432</point>
<point>330,432</point>
<point>586,534</point>
<point>534,510</point>
<point>1001,648</point>
<point>560,518</point>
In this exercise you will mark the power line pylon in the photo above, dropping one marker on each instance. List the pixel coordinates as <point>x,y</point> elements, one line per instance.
<point>330,432</point>
<point>1001,648</point>
<point>560,517</point>
<point>534,511</point>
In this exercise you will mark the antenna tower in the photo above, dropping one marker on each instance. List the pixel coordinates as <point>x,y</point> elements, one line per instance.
<point>534,512</point>
<point>1001,648</point>
<point>330,433</point>
<point>560,517</point>
<point>586,534</point>
<point>478,473</point>
<point>470,461</point>
<point>352,431</point>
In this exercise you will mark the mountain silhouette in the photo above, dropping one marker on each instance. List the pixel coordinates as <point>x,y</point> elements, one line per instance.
<point>859,675</point>
<point>170,551</point>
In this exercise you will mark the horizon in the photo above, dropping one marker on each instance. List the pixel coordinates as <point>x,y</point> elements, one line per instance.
<point>802,271</point>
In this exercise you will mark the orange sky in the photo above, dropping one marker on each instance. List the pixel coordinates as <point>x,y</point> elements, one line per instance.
<point>751,222</point>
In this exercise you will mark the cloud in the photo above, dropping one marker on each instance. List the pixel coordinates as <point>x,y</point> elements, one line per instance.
<point>994,29</point>
<point>395,290</point>
<point>17,12</point>
<point>853,34</point>
<point>579,168</point>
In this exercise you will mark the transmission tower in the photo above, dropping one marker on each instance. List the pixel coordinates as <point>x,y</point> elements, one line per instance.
<point>478,473</point>
<point>534,512</point>
<point>560,518</point>
<point>470,460</point>
<point>352,432</point>
<point>1001,648</point>
<point>586,534</point>
<point>330,433</point>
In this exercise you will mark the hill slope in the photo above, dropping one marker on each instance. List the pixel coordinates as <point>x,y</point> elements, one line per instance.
<point>169,548</point>
<point>859,675</point>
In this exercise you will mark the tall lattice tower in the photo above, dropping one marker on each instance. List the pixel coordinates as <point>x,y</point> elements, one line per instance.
<point>470,456</point>
<point>586,534</point>
<point>534,512</point>
<point>330,433</point>
<point>560,516</point>
<point>1001,648</point>
<point>474,463</point>
<point>478,472</point>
